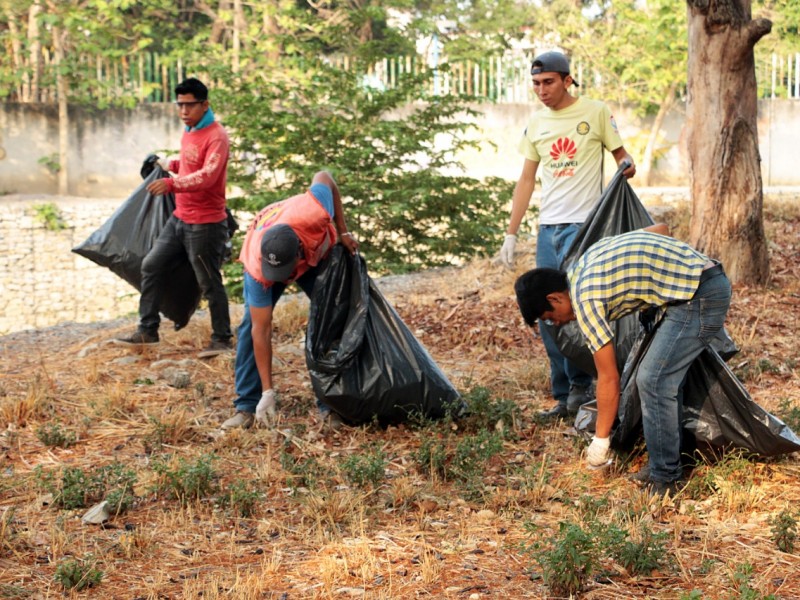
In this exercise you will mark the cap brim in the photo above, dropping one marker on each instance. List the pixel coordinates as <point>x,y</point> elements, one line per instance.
<point>277,274</point>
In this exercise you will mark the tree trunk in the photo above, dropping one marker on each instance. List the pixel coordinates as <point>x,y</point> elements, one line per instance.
<point>35,55</point>
<point>724,161</point>
<point>652,140</point>
<point>63,114</point>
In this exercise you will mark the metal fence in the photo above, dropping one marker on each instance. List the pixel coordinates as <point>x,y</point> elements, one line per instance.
<point>149,77</point>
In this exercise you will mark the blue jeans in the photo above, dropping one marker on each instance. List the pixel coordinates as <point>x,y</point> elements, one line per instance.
<point>204,246</point>
<point>248,381</point>
<point>552,245</point>
<point>684,332</point>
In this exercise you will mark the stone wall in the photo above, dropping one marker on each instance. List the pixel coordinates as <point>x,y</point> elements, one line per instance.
<point>41,281</point>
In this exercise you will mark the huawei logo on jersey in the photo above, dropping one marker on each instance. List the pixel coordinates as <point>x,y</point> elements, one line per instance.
<point>563,149</point>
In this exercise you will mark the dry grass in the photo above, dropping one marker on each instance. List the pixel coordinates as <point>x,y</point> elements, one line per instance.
<point>278,517</point>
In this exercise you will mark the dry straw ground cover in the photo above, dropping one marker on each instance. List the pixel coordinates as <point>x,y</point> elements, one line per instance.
<point>494,505</point>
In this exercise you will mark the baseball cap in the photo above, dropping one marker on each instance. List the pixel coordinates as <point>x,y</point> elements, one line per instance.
<point>280,248</point>
<point>551,62</point>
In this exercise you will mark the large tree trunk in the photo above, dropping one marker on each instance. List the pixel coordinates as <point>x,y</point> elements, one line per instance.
<point>724,161</point>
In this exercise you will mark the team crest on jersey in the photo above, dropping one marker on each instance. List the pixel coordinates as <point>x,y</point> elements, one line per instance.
<point>582,128</point>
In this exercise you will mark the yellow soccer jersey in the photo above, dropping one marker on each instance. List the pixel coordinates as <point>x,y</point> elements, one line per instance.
<point>568,145</point>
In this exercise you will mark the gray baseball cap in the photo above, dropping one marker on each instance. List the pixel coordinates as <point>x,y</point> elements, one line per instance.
<point>551,62</point>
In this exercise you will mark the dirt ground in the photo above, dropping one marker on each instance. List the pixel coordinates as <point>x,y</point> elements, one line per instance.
<point>298,511</point>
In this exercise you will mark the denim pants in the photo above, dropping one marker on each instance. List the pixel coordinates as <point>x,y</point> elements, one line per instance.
<point>684,332</point>
<point>248,381</point>
<point>552,245</point>
<point>204,246</point>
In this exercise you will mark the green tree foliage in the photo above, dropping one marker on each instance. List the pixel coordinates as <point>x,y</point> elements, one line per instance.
<point>391,153</point>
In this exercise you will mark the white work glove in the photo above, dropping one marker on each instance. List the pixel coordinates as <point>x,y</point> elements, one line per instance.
<point>599,452</point>
<point>265,409</point>
<point>507,251</point>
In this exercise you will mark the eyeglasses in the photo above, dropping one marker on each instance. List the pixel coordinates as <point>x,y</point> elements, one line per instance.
<point>181,105</point>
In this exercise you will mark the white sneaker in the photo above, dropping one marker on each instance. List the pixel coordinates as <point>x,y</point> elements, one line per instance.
<point>241,420</point>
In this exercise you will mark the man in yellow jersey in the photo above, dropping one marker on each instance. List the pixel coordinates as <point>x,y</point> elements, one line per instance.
<point>566,139</point>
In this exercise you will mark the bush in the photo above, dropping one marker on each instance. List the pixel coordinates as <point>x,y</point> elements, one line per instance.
<point>186,480</point>
<point>366,468</point>
<point>78,574</point>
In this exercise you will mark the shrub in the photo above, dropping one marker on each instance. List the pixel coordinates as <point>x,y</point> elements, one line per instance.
<point>567,561</point>
<point>78,574</point>
<point>51,434</point>
<point>186,480</point>
<point>784,531</point>
<point>367,468</point>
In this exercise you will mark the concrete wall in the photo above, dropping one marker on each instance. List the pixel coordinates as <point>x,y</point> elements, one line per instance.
<point>108,146</point>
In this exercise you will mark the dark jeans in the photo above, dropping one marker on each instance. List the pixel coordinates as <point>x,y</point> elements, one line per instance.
<point>552,245</point>
<point>248,381</point>
<point>204,246</point>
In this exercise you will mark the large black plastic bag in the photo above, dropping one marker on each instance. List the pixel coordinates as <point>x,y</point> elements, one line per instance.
<point>619,210</point>
<point>717,410</point>
<point>123,241</point>
<point>364,362</point>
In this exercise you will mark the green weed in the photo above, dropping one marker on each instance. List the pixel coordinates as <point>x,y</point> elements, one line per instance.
<point>567,561</point>
<point>186,480</point>
<point>78,574</point>
<point>365,468</point>
<point>49,215</point>
<point>53,435</point>
<point>784,531</point>
<point>241,498</point>
<point>76,488</point>
<point>431,457</point>
<point>484,412</point>
<point>789,414</point>
<point>741,582</point>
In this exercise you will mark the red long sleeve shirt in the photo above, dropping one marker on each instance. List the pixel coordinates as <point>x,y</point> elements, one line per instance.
<point>202,170</point>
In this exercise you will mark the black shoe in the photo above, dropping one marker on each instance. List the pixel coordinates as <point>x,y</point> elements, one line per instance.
<point>559,411</point>
<point>214,348</point>
<point>138,338</point>
<point>641,477</point>
<point>662,489</point>
<point>578,396</point>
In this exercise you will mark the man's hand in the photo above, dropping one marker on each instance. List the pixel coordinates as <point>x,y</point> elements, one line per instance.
<point>598,453</point>
<point>149,164</point>
<point>159,187</point>
<point>507,251</point>
<point>265,409</point>
<point>349,241</point>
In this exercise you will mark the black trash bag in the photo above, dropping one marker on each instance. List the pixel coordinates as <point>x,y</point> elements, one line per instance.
<point>123,241</point>
<point>364,362</point>
<point>717,410</point>
<point>619,210</point>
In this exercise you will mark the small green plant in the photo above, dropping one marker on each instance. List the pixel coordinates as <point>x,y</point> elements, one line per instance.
<point>52,434</point>
<point>472,453</point>
<point>741,581</point>
<point>645,554</point>
<point>484,412</point>
<point>304,471</point>
<point>784,531</point>
<point>76,488</point>
<point>50,216</point>
<point>78,574</point>
<point>365,468</point>
<point>186,480</point>
<point>431,457</point>
<point>241,499</point>
<point>789,414</point>
<point>567,561</point>
<point>693,595</point>
<point>50,162</point>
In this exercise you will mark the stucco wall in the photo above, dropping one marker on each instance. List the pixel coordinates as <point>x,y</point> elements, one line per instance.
<point>108,146</point>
